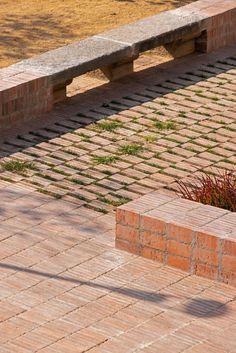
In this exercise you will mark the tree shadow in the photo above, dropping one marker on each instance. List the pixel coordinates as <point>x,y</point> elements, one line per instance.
<point>20,36</point>
<point>168,3</point>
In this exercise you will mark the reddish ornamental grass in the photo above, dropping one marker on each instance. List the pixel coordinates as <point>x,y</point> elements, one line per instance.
<point>218,191</point>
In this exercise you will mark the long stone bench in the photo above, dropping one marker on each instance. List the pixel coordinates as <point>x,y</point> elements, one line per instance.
<point>32,86</point>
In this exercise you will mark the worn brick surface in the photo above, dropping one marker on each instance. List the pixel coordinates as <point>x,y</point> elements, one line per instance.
<point>63,285</point>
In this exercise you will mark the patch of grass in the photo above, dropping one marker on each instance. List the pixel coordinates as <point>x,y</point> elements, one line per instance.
<point>163,103</point>
<point>17,166</point>
<point>131,149</point>
<point>108,125</point>
<point>230,128</point>
<point>97,209</point>
<point>182,114</point>
<point>158,112</point>
<point>105,159</point>
<point>226,160</point>
<point>115,203</point>
<point>150,138</point>
<point>222,122</point>
<point>165,125</point>
<point>84,137</point>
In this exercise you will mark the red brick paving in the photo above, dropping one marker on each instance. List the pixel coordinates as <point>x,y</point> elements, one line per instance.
<point>64,287</point>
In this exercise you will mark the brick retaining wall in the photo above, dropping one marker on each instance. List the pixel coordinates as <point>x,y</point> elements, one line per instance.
<point>23,96</point>
<point>196,238</point>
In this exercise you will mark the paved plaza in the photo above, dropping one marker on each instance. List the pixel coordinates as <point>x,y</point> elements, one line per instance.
<point>64,288</point>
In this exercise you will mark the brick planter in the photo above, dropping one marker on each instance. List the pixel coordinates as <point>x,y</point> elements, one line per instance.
<point>196,238</point>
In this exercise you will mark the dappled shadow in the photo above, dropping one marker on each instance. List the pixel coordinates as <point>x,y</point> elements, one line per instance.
<point>25,35</point>
<point>20,36</point>
<point>168,3</point>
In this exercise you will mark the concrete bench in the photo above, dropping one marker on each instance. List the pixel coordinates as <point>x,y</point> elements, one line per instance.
<point>41,81</point>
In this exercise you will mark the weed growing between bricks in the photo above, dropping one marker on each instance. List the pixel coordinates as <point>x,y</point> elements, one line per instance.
<point>17,166</point>
<point>170,131</point>
<point>131,149</point>
<point>105,159</point>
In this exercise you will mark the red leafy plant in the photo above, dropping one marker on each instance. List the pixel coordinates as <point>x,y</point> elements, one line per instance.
<point>218,191</point>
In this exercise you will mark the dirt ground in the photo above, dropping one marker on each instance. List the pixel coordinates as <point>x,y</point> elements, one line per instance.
<point>30,27</point>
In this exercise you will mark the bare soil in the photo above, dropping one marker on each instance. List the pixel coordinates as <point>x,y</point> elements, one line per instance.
<point>30,27</point>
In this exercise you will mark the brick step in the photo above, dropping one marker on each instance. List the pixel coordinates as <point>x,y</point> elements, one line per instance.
<point>196,238</point>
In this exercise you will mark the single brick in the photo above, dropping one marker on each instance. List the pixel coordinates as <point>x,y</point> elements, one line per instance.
<point>205,270</point>
<point>206,240</point>
<point>179,262</point>
<point>179,249</point>
<point>206,256</point>
<point>152,254</point>
<point>127,246</point>
<point>179,233</point>
<point>127,233</point>
<point>229,263</point>
<point>155,241</point>
<point>229,247</point>
<point>127,217</point>
<point>228,277</point>
<point>153,224</point>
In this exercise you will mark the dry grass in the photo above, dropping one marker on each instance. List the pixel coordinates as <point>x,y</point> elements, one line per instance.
<point>29,27</point>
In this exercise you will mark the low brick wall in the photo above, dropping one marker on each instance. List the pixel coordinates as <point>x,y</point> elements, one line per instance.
<point>193,237</point>
<point>22,96</point>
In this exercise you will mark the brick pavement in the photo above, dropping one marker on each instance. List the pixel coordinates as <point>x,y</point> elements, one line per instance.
<point>64,287</point>
<point>107,151</point>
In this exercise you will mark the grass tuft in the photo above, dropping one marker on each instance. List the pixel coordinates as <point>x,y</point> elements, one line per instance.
<point>115,203</point>
<point>105,159</point>
<point>165,125</point>
<point>150,138</point>
<point>17,166</point>
<point>108,125</point>
<point>131,149</point>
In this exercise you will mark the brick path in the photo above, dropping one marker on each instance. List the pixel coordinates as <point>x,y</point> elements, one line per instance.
<point>113,149</point>
<point>64,287</point>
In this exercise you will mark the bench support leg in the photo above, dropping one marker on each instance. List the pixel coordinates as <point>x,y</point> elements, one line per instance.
<point>184,46</point>
<point>59,91</point>
<point>118,70</point>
